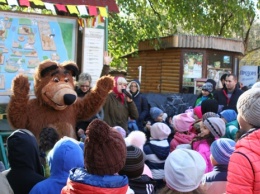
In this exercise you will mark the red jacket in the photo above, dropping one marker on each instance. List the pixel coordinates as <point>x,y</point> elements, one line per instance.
<point>244,165</point>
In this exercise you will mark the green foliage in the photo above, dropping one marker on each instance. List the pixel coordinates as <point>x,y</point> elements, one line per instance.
<point>148,19</point>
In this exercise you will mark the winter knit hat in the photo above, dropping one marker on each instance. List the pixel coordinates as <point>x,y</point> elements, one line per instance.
<point>229,115</point>
<point>155,112</point>
<point>184,169</point>
<point>197,111</point>
<point>208,115</point>
<point>212,81</point>
<point>182,122</point>
<point>207,87</point>
<point>105,152</point>
<point>221,150</point>
<point>120,130</point>
<point>248,106</point>
<point>210,105</point>
<point>216,126</point>
<point>160,131</point>
<point>134,164</point>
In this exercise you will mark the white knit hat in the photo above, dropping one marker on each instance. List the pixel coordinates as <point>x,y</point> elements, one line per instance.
<point>184,170</point>
<point>248,106</point>
<point>160,131</point>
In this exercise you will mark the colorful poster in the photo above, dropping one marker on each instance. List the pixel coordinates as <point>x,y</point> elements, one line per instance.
<point>248,75</point>
<point>28,39</point>
<point>192,65</point>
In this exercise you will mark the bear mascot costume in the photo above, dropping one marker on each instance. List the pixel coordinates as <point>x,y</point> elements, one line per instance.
<point>56,104</point>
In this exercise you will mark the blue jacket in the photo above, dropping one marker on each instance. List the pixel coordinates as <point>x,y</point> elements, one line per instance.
<point>80,181</point>
<point>65,155</point>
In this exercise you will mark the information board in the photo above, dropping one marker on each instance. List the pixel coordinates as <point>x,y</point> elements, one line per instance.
<point>28,39</point>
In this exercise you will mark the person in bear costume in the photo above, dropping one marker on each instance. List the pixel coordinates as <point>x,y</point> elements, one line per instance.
<point>56,104</point>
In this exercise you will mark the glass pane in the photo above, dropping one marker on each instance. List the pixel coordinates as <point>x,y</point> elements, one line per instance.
<point>217,65</point>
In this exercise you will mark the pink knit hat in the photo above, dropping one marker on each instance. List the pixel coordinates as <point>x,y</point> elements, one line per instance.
<point>160,131</point>
<point>182,122</point>
<point>197,111</point>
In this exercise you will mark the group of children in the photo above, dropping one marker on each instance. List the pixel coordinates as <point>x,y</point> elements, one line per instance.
<point>189,152</point>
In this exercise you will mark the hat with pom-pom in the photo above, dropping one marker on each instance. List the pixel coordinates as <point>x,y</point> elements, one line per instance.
<point>105,151</point>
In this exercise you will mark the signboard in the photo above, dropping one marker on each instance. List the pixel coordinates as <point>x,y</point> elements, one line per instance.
<point>94,44</point>
<point>28,39</point>
<point>93,52</point>
<point>248,75</point>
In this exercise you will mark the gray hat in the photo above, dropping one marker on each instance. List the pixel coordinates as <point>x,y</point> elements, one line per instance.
<point>208,87</point>
<point>248,106</point>
<point>216,126</point>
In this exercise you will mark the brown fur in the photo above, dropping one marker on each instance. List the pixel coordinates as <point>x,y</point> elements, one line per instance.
<point>51,82</point>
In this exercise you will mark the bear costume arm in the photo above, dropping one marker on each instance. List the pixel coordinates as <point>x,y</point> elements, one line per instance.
<point>92,102</point>
<point>17,107</point>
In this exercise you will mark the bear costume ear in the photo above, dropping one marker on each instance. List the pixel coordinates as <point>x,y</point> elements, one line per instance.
<point>70,66</point>
<point>47,66</point>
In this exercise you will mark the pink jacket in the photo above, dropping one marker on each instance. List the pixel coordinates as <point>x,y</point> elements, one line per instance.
<point>180,138</point>
<point>203,148</point>
<point>244,165</point>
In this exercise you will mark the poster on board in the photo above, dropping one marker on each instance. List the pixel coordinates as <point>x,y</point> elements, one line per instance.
<point>28,39</point>
<point>248,75</point>
<point>94,45</point>
<point>93,52</point>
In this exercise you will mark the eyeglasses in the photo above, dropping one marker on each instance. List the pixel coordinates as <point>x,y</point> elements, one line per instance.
<point>84,86</point>
<point>133,86</point>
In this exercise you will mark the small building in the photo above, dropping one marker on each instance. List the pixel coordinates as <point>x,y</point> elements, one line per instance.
<point>183,62</point>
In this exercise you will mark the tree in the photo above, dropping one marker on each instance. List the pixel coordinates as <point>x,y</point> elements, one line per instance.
<point>149,19</point>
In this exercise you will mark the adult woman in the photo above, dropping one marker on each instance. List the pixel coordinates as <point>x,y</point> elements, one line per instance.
<point>118,107</point>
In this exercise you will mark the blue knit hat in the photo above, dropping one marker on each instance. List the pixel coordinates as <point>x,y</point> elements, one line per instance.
<point>221,150</point>
<point>155,112</point>
<point>229,115</point>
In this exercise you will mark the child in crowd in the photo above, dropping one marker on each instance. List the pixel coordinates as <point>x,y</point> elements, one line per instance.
<point>184,169</point>
<point>230,118</point>
<point>211,129</point>
<point>206,93</point>
<point>133,169</point>
<point>65,155</point>
<point>208,115</point>
<point>197,113</point>
<point>243,167</point>
<point>156,151</point>
<point>104,157</point>
<point>210,105</point>
<point>181,124</point>
<point>156,116</point>
<point>47,139</point>
<point>24,159</point>
<point>138,139</point>
<point>215,182</point>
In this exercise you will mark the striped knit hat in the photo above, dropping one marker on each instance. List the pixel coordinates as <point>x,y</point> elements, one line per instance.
<point>134,165</point>
<point>221,150</point>
<point>216,126</point>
